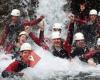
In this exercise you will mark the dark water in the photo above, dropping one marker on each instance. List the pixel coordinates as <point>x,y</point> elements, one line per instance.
<point>81,76</point>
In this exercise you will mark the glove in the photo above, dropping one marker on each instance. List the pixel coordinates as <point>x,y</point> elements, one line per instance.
<point>11,75</point>
<point>5,74</point>
<point>28,29</point>
<point>19,74</point>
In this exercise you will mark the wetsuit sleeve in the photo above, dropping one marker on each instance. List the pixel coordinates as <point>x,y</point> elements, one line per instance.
<point>34,22</point>
<point>9,47</point>
<point>38,41</point>
<point>35,38</point>
<point>4,35</point>
<point>90,54</point>
<point>77,52</point>
<point>68,47</point>
<point>41,35</point>
<point>70,33</point>
<point>12,68</point>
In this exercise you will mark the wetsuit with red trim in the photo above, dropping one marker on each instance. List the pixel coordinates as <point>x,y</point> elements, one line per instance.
<point>80,52</point>
<point>64,51</point>
<point>12,31</point>
<point>37,40</point>
<point>74,27</point>
<point>13,68</point>
<point>18,65</point>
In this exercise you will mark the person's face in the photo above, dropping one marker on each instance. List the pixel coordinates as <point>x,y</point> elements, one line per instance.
<point>93,17</point>
<point>56,42</point>
<point>81,43</point>
<point>82,7</point>
<point>57,29</point>
<point>22,39</point>
<point>25,55</point>
<point>15,19</point>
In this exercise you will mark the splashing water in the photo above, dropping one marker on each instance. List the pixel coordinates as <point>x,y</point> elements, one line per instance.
<point>53,12</point>
<point>50,67</point>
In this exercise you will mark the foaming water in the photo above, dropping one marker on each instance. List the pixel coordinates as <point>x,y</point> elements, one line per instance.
<point>5,60</point>
<point>50,67</point>
<point>53,12</point>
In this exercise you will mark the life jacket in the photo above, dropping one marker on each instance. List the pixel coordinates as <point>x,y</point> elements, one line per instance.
<point>14,30</point>
<point>16,66</point>
<point>33,59</point>
<point>78,51</point>
<point>62,53</point>
<point>13,68</point>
